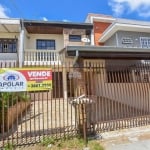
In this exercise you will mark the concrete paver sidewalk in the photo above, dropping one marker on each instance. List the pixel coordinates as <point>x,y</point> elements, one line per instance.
<point>127,139</point>
<point>139,145</point>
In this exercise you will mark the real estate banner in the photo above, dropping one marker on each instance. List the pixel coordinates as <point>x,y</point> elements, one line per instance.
<point>25,79</point>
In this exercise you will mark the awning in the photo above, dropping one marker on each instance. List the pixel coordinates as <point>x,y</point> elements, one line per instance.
<point>107,52</point>
<point>9,25</point>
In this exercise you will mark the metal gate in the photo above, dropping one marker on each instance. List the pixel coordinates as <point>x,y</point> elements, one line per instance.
<point>123,97</point>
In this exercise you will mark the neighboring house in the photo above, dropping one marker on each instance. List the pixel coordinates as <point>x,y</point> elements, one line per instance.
<point>10,37</point>
<point>113,38</point>
<point>123,39</point>
<point>122,47</point>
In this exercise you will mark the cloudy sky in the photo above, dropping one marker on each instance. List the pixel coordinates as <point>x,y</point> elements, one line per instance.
<point>74,10</point>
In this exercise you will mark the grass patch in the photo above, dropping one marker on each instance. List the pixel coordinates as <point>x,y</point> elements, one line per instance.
<point>69,144</point>
<point>49,143</point>
<point>95,145</point>
<point>8,146</point>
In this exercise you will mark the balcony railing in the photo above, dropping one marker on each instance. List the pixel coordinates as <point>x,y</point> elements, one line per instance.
<point>8,63</point>
<point>42,57</point>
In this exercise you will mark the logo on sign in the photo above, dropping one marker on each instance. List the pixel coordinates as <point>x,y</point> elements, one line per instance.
<point>11,77</point>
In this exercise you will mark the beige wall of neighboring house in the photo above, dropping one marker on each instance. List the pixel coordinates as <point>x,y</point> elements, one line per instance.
<point>9,35</point>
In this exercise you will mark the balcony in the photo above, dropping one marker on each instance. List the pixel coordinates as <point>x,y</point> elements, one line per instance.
<point>42,57</point>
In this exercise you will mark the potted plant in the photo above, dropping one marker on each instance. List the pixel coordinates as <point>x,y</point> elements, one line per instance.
<point>12,105</point>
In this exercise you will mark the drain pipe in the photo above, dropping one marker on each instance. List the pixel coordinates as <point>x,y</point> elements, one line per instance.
<point>76,58</point>
<point>21,44</point>
<point>82,115</point>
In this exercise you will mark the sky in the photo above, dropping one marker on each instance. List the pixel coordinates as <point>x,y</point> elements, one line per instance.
<point>74,10</point>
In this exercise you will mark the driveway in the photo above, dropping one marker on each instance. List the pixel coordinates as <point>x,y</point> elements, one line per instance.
<point>127,139</point>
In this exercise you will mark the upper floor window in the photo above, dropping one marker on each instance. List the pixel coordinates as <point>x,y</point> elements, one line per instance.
<point>45,44</point>
<point>145,42</point>
<point>75,38</point>
<point>8,45</point>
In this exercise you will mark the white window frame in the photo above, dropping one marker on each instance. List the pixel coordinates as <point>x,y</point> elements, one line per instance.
<point>147,41</point>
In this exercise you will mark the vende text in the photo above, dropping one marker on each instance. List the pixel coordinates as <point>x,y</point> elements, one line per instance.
<point>39,74</point>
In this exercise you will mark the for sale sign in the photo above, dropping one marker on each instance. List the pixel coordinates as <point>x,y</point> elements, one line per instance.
<point>25,79</point>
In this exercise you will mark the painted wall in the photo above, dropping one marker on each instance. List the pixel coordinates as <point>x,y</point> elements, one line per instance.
<point>9,35</point>
<point>111,41</point>
<point>82,32</point>
<point>99,28</point>
<point>134,36</point>
<point>8,56</point>
<point>31,40</point>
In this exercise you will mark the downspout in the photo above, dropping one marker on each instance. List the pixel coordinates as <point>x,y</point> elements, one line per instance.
<point>117,42</point>
<point>21,44</point>
<point>92,32</point>
<point>76,58</point>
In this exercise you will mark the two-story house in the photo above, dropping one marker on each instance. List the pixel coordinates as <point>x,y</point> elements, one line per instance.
<point>44,41</point>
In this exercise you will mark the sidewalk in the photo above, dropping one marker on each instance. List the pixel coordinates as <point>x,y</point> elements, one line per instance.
<point>127,139</point>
